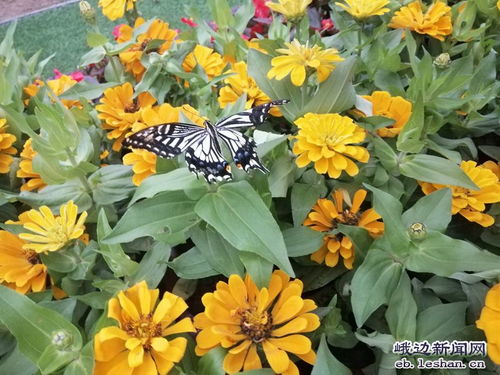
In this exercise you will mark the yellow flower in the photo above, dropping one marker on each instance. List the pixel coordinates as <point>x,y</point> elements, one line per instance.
<point>6,149</point>
<point>143,162</point>
<point>393,107</point>
<point>489,322</point>
<point>325,140</point>
<point>362,9</point>
<point>436,22</point>
<point>244,319</point>
<point>291,9</point>
<point>20,269</point>
<point>241,83</point>
<point>33,179</point>
<point>131,58</point>
<point>211,62</point>
<point>471,203</point>
<point>49,232</point>
<point>114,9</point>
<point>58,86</point>
<point>137,346</point>
<point>325,216</point>
<point>120,111</point>
<point>302,59</point>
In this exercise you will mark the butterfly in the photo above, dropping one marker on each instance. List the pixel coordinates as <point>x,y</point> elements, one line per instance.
<point>201,145</point>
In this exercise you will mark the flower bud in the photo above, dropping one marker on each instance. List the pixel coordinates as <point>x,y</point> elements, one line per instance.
<point>443,60</point>
<point>61,339</point>
<point>417,231</point>
<point>88,13</point>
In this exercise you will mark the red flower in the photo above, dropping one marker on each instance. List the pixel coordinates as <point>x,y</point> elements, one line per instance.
<point>189,22</point>
<point>261,10</point>
<point>327,24</point>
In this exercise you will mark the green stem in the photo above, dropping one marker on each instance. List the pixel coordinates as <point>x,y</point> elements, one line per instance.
<point>73,162</point>
<point>112,62</point>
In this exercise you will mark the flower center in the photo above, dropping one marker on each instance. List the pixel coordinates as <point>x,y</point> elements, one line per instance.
<point>57,233</point>
<point>346,217</point>
<point>132,107</point>
<point>144,329</point>
<point>32,257</point>
<point>257,326</point>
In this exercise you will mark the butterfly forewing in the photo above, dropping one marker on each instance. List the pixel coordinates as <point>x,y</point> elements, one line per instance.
<point>251,117</point>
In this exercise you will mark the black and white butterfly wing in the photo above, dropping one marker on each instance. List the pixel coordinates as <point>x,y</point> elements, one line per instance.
<point>251,117</point>
<point>166,140</point>
<point>242,150</point>
<point>204,157</point>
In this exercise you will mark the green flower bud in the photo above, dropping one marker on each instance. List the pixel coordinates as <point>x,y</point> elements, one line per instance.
<point>443,60</point>
<point>88,13</point>
<point>417,231</point>
<point>61,339</point>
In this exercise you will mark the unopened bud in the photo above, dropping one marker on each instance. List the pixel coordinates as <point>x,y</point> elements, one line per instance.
<point>443,60</point>
<point>417,231</point>
<point>62,339</point>
<point>88,13</point>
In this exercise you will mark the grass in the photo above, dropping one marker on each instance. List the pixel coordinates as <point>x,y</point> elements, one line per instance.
<point>63,31</point>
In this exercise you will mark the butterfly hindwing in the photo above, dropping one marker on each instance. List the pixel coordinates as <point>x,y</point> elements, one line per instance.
<point>251,117</point>
<point>205,157</point>
<point>242,150</point>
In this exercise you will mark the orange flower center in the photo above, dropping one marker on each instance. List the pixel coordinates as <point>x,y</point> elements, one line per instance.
<point>132,107</point>
<point>256,325</point>
<point>144,329</point>
<point>32,257</point>
<point>348,217</point>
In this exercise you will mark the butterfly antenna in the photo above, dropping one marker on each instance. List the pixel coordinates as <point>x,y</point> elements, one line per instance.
<point>185,108</point>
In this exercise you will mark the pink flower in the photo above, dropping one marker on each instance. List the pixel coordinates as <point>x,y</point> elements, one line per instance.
<point>57,74</point>
<point>116,31</point>
<point>77,76</point>
<point>261,10</point>
<point>189,21</point>
<point>327,24</point>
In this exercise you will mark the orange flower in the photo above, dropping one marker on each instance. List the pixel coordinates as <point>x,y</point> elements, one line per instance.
<point>489,322</point>
<point>325,216</point>
<point>6,149</point>
<point>33,180</point>
<point>211,62</point>
<point>58,86</point>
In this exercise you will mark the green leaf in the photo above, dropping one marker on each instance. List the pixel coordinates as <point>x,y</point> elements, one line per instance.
<point>401,313</point>
<point>303,198</point>
<point>257,267</point>
<point>221,256</point>
<point>433,210</point>
<point>430,168</point>
<point>16,363</point>
<point>443,256</point>
<point>34,327</point>
<point>114,256</point>
<point>326,363</point>
<point>302,241</point>
<point>238,213</point>
<point>211,362</point>
<point>178,179</point>
<point>96,39</point>
<point>153,265</point>
<point>385,153</point>
<point>93,56</point>
<point>171,209</point>
<point>374,283</point>
<point>87,90</point>
<point>281,176</point>
<point>410,138</point>
<point>84,364</point>
<point>111,183</point>
<point>359,237</point>
<point>441,322</point>
<point>192,265</point>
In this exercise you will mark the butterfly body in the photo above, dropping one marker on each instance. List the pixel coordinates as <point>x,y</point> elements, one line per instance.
<point>202,145</point>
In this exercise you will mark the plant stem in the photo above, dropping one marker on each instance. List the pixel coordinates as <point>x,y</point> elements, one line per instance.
<point>73,162</point>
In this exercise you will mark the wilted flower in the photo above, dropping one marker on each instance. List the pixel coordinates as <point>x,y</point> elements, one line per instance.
<point>291,9</point>
<point>325,216</point>
<point>32,179</point>
<point>436,22</point>
<point>471,203</point>
<point>302,59</point>
<point>114,9</point>
<point>249,321</point>
<point>325,140</point>
<point>139,344</point>
<point>6,148</point>
<point>489,322</point>
<point>362,9</point>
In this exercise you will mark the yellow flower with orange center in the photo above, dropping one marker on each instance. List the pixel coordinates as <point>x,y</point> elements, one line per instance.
<point>32,179</point>
<point>138,344</point>
<point>436,22</point>
<point>58,86</point>
<point>6,148</point>
<point>326,140</point>
<point>393,107</point>
<point>20,269</point>
<point>291,9</point>
<point>48,232</point>
<point>144,162</point>
<point>245,320</point>
<point>325,216</point>
<point>489,322</point>
<point>131,58</point>
<point>114,9</point>
<point>206,58</point>
<point>300,60</point>
<point>241,83</point>
<point>120,111</point>
<point>362,9</point>
<point>470,203</point>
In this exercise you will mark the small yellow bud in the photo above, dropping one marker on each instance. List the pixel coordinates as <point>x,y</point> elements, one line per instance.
<point>87,12</point>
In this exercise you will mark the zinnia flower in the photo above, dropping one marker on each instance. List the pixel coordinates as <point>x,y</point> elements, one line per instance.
<point>49,232</point>
<point>436,22</point>
<point>32,179</point>
<point>241,83</point>
<point>6,149</point>
<point>120,111</point>
<point>471,203</point>
<point>489,322</point>
<point>20,269</point>
<point>325,140</point>
<point>58,86</point>
<point>291,9</point>
<point>393,107</point>
<point>137,346</point>
<point>131,58</point>
<point>246,320</point>
<point>325,216</point>
<point>302,59</point>
<point>362,9</point>
<point>114,9</point>
<point>143,164</point>
<point>211,62</point>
